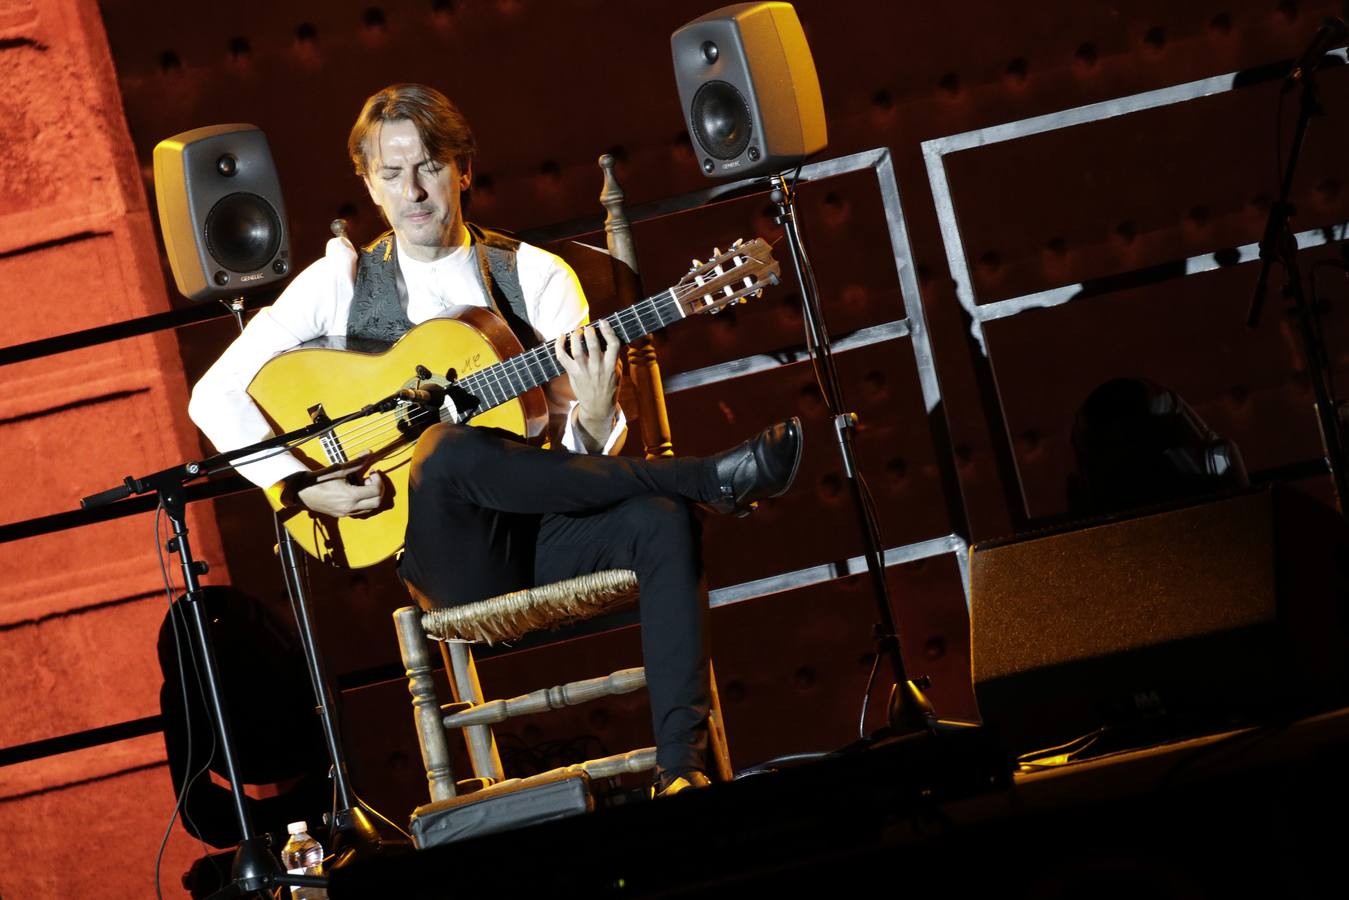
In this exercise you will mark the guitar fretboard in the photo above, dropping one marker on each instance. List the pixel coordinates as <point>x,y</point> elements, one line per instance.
<point>508,379</point>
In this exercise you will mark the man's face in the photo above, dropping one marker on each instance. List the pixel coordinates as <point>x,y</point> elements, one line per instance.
<point>419,196</point>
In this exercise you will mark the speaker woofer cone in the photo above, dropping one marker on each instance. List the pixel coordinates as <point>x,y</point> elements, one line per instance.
<point>721,120</point>
<point>243,232</point>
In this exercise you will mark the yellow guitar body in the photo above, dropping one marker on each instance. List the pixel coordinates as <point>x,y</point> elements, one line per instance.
<point>292,387</point>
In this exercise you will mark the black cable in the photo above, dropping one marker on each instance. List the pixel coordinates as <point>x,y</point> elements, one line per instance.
<point>1031,761</point>
<point>1324,264</point>
<point>332,807</point>
<point>360,801</point>
<point>1278,139</point>
<point>178,651</point>
<point>808,271</point>
<point>205,767</point>
<point>233,466</point>
<point>866,696</point>
<point>770,765</point>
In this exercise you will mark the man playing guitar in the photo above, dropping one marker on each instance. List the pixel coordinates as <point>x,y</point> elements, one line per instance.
<point>487,513</point>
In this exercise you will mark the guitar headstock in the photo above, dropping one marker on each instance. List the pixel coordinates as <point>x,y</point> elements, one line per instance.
<point>727,278</point>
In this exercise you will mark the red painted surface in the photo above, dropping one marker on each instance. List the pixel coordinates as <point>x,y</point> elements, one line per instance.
<point>80,610</point>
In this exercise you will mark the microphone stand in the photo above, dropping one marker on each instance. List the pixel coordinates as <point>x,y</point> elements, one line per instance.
<point>909,711</point>
<point>1279,245</point>
<point>255,867</point>
<point>353,834</point>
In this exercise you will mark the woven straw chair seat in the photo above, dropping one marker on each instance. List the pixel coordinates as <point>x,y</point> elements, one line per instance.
<point>511,616</point>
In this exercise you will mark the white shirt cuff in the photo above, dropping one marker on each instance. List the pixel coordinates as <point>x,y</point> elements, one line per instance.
<point>571,434</point>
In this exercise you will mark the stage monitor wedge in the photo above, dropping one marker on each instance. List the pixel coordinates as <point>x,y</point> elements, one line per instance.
<point>749,91</point>
<point>1224,611</point>
<point>220,211</point>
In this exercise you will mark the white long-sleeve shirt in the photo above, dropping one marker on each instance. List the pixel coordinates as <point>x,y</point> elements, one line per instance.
<point>316,304</point>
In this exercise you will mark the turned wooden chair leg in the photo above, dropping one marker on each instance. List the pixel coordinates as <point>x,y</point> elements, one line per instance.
<point>425,703</point>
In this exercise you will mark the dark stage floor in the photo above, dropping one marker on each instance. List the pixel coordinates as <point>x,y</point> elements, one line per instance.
<point>1250,812</point>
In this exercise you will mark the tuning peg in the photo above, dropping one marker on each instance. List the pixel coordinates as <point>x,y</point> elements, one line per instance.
<point>738,242</point>
<point>696,263</point>
<point>716,251</point>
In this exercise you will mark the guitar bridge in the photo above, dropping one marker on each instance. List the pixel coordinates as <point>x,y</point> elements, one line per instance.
<point>330,442</point>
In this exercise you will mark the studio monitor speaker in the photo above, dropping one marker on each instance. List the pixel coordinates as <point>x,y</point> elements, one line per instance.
<point>1218,613</point>
<point>220,211</point>
<point>748,88</point>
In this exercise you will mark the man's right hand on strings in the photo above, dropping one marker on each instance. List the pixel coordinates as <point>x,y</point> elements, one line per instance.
<point>332,493</point>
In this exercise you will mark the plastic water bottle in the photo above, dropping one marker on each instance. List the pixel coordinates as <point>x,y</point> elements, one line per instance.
<point>303,855</point>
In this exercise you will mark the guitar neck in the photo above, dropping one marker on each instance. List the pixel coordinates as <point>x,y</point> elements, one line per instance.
<point>508,379</point>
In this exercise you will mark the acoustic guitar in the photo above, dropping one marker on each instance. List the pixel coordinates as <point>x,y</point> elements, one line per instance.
<point>464,367</point>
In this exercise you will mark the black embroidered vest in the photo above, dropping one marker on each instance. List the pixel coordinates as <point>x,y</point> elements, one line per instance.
<point>377,314</point>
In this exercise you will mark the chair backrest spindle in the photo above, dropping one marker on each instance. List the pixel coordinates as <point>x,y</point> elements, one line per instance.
<point>653,420</point>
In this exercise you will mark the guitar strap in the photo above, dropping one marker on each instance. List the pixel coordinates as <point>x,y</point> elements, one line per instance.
<point>377,313</point>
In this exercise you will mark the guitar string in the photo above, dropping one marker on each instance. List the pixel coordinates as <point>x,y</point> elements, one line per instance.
<point>375,430</point>
<point>379,430</point>
<point>500,381</point>
<point>497,379</point>
<point>498,388</point>
<point>500,378</point>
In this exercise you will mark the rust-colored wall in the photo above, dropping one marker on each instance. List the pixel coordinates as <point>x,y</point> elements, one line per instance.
<point>80,611</point>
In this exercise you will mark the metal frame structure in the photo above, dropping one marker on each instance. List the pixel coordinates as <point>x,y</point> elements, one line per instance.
<point>935,152</point>
<point>912,325</point>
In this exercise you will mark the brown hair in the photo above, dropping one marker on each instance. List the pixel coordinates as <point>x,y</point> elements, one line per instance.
<point>443,129</point>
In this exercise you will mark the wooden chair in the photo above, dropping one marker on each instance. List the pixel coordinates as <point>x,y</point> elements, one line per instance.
<point>612,275</point>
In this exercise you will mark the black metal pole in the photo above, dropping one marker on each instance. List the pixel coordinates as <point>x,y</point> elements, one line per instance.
<point>1327,408</point>
<point>1276,226</point>
<point>350,827</point>
<point>1279,245</point>
<point>909,710</point>
<point>353,834</point>
<point>317,676</point>
<point>254,865</point>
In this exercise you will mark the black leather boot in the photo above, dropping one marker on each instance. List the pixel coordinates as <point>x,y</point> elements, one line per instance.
<point>763,466</point>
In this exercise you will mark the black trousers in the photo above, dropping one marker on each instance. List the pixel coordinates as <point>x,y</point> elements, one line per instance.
<point>488,514</point>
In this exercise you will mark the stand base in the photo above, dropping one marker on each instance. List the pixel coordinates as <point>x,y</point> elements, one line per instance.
<point>254,869</point>
<point>909,710</point>
<point>355,838</point>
